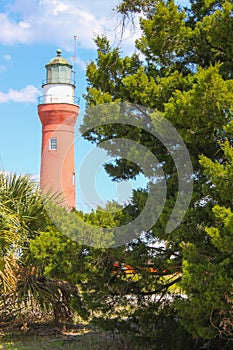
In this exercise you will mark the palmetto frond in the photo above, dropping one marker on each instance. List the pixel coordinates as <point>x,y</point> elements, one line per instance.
<point>21,218</point>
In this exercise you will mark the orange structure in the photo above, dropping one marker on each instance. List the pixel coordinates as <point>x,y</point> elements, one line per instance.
<point>58,113</point>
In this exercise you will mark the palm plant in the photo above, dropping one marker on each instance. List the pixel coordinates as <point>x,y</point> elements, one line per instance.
<point>22,282</point>
<point>21,218</point>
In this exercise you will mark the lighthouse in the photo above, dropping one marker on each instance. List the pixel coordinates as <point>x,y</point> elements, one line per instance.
<point>58,112</point>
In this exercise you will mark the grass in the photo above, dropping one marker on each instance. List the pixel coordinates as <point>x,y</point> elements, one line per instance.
<point>48,339</point>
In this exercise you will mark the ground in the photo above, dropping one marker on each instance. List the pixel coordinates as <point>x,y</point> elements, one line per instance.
<point>50,337</point>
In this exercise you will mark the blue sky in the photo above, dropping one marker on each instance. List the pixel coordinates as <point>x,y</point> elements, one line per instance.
<point>31,31</point>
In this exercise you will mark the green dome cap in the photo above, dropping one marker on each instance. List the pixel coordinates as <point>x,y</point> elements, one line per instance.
<point>59,60</point>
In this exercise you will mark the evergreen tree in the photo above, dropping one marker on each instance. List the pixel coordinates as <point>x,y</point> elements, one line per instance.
<point>186,77</point>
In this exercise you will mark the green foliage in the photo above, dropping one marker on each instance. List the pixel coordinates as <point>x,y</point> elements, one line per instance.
<point>165,35</point>
<point>165,332</point>
<point>201,113</point>
<point>212,36</point>
<point>182,39</point>
<point>23,284</point>
<point>113,70</point>
<point>21,219</point>
<point>186,76</point>
<point>208,274</point>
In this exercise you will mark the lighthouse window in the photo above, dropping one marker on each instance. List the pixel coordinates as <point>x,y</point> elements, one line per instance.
<point>53,144</point>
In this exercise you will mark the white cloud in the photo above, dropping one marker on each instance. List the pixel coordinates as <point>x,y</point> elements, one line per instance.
<point>7,57</point>
<point>11,31</point>
<point>27,94</point>
<point>57,7</point>
<point>56,21</point>
<point>24,25</point>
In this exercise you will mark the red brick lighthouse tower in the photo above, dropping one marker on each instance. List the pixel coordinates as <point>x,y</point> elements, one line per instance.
<point>58,113</point>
